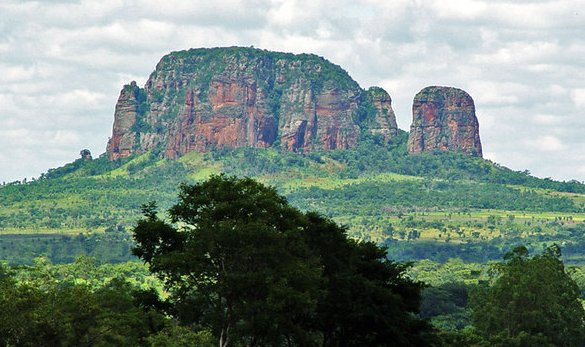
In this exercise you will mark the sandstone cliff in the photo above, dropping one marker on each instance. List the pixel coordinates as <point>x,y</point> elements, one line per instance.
<point>122,142</point>
<point>202,99</point>
<point>444,119</point>
<point>384,121</point>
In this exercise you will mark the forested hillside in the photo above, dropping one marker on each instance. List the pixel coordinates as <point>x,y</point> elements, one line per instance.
<point>427,206</point>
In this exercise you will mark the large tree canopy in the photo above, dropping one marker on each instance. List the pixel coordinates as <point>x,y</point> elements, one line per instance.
<point>234,261</point>
<point>367,300</point>
<point>532,301</point>
<point>239,260</point>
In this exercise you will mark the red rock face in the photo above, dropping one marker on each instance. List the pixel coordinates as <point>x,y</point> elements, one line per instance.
<point>444,119</point>
<point>324,121</point>
<point>229,118</point>
<point>122,142</point>
<point>204,99</point>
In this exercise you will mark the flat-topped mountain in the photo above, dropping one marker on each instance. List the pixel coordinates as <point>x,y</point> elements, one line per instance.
<point>201,99</point>
<point>205,99</point>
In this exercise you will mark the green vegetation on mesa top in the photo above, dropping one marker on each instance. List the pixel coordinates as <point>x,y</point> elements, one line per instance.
<point>433,205</point>
<point>211,60</point>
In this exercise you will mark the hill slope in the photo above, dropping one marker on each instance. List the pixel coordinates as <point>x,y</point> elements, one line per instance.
<point>432,205</point>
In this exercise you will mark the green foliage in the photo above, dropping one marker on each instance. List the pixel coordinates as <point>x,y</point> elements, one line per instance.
<point>466,337</point>
<point>178,336</point>
<point>532,301</point>
<point>84,270</point>
<point>112,247</point>
<point>81,168</point>
<point>367,300</point>
<point>429,194</point>
<point>446,306</point>
<point>449,196</point>
<point>257,271</point>
<point>49,313</point>
<point>237,264</point>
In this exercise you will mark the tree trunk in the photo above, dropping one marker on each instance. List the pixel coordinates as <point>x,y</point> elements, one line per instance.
<point>224,338</point>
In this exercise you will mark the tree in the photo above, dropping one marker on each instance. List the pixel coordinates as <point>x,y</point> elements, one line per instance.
<point>46,312</point>
<point>366,299</point>
<point>532,301</point>
<point>238,260</point>
<point>234,261</point>
<point>178,336</point>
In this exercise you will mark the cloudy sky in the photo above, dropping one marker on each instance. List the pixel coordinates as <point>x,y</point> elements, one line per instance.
<point>63,63</point>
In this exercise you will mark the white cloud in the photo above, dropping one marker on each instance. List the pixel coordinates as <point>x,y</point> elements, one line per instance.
<point>491,156</point>
<point>548,119</point>
<point>495,93</point>
<point>578,96</point>
<point>547,143</point>
<point>61,137</point>
<point>459,9</point>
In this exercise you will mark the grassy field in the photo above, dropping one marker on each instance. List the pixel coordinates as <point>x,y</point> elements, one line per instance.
<point>336,182</point>
<point>47,231</point>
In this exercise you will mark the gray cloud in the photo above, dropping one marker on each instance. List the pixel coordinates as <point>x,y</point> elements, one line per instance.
<point>62,64</point>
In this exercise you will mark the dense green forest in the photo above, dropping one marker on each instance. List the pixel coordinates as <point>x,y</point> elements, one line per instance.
<point>234,262</point>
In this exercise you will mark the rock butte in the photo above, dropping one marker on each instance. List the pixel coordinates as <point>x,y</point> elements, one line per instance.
<point>203,99</point>
<point>444,120</point>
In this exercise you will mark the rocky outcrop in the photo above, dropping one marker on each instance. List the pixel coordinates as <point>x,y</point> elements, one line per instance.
<point>123,140</point>
<point>444,120</point>
<point>202,99</point>
<point>85,155</point>
<point>384,120</point>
